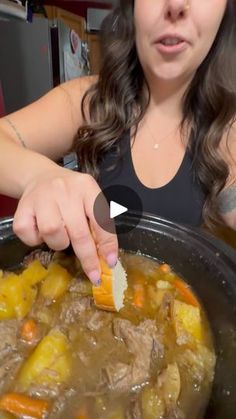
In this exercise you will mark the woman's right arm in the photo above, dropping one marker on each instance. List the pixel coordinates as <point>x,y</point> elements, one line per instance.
<point>48,125</point>
<point>56,204</point>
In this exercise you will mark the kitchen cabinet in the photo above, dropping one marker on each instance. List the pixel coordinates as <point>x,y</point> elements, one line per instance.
<point>78,23</point>
<point>50,10</point>
<point>94,52</point>
<point>75,22</point>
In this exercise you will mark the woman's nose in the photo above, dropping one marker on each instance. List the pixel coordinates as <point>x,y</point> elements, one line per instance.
<point>176,9</point>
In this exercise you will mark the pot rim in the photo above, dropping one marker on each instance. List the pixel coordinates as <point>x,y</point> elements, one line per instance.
<point>216,246</point>
<point>150,222</point>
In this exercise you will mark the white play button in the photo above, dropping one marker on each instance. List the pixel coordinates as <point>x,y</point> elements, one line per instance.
<point>116,209</point>
<point>109,214</point>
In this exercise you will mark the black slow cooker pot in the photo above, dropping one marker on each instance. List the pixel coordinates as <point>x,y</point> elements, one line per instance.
<point>207,264</point>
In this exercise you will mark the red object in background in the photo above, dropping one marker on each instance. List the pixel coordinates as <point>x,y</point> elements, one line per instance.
<point>7,205</point>
<point>79,7</point>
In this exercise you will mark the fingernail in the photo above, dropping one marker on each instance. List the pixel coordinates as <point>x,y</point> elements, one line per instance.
<point>112,260</point>
<point>94,277</point>
<point>97,283</point>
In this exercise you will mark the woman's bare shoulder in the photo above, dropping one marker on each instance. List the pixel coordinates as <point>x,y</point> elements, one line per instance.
<point>73,91</point>
<point>49,124</point>
<point>77,87</point>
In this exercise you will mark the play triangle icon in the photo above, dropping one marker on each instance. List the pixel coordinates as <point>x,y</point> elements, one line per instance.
<point>116,209</point>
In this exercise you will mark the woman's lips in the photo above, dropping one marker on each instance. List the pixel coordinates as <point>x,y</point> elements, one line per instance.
<point>165,48</point>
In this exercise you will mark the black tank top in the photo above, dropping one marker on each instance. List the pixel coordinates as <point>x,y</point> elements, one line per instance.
<point>181,200</point>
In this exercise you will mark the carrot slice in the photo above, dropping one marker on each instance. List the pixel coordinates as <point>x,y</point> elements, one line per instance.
<point>82,414</point>
<point>139,295</point>
<point>165,268</point>
<point>186,293</point>
<point>29,330</point>
<point>20,405</point>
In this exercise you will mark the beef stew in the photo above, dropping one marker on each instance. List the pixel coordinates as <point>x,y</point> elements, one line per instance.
<point>153,359</point>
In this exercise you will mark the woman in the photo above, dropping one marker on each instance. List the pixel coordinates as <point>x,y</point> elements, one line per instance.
<point>164,100</point>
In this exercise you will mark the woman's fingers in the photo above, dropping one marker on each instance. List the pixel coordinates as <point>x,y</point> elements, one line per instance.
<point>25,225</point>
<point>44,225</point>
<point>104,233</point>
<point>107,245</point>
<point>51,226</point>
<point>60,210</point>
<point>83,242</point>
<point>87,237</point>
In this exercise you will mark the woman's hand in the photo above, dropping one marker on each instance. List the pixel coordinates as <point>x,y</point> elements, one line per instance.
<point>57,208</point>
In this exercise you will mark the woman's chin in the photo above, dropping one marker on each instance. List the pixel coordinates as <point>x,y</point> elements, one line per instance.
<point>170,74</point>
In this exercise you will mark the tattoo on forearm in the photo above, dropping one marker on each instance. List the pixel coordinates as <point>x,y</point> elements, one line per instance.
<point>16,132</point>
<point>227,199</point>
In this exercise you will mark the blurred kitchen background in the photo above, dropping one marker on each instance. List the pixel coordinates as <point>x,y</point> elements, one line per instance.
<point>44,43</point>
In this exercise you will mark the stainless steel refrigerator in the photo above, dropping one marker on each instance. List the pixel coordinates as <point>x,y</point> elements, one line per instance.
<point>35,57</point>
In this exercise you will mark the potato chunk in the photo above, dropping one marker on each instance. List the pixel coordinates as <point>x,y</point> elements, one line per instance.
<point>16,297</point>
<point>169,384</point>
<point>50,362</point>
<point>56,282</point>
<point>17,292</point>
<point>187,322</point>
<point>153,406</point>
<point>34,273</point>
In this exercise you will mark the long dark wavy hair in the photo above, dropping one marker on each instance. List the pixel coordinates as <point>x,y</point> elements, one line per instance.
<point>118,101</point>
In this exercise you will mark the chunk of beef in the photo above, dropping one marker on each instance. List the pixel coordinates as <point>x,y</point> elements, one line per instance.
<point>134,410</point>
<point>99,319</point>
<point>43,391</point>
<point>45,257</point>
<point>168,390</point>
<point>165,308</point>
<point>8,337</point>
<point>8,369</point>
<point>140,341</point>
<point>81,286</point>
<point>175,413</point>
<point>61,401</point>
<point>10,360</point>
<point>169,385</point>
<point>72,308</point>
<point>119,376</point>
